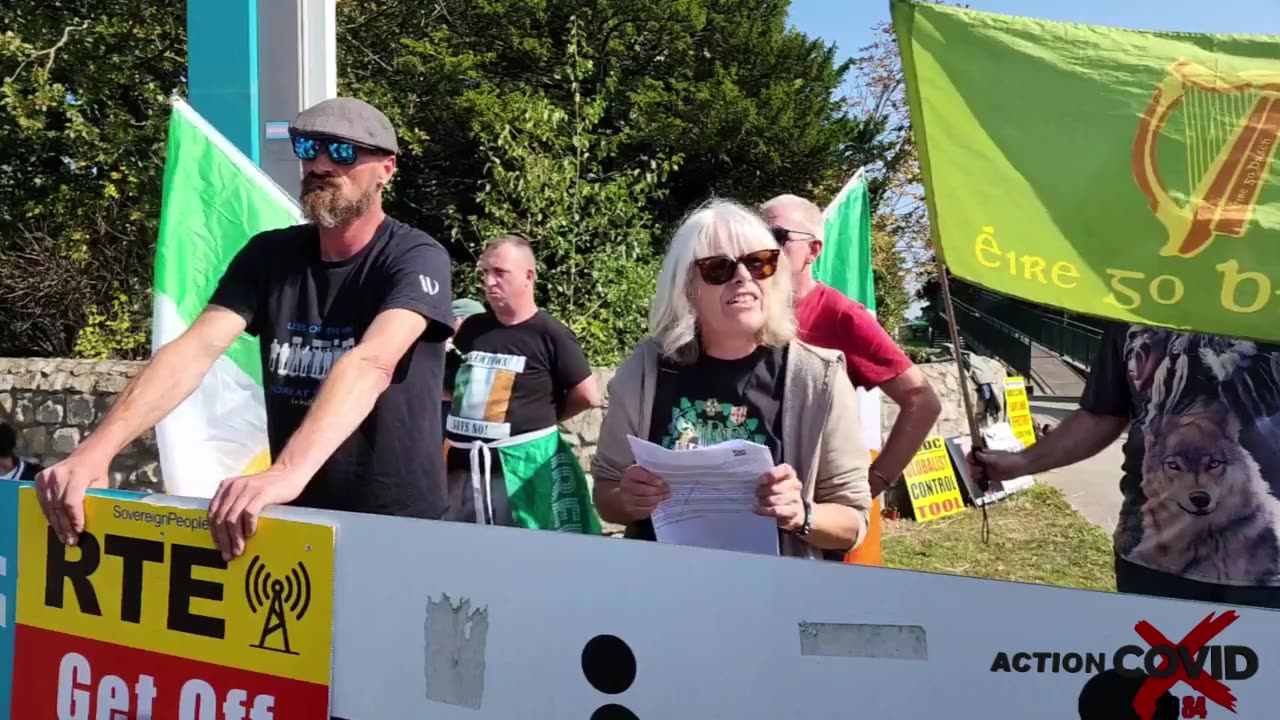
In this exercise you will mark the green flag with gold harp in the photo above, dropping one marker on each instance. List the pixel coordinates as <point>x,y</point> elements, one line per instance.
<point>1120,173</point>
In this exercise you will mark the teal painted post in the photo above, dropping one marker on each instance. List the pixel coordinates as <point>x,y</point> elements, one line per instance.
<point>222,69</point>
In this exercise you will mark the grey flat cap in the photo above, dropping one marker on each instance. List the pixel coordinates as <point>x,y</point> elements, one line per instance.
<point>347,119</point>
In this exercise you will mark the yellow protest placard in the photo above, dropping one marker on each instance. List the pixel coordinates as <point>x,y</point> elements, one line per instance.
<point>1019,410</point>
<point>148,577</point>
<point>931,482</point>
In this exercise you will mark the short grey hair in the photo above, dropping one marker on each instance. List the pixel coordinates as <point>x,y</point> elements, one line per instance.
<point>672,321</point>
<point>811,213</point>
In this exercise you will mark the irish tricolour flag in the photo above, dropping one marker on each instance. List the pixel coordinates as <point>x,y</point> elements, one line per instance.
<point>845,264</point>
<point>215,199</point>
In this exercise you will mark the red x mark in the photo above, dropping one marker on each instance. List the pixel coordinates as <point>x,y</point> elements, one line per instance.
<point>1207,685</point>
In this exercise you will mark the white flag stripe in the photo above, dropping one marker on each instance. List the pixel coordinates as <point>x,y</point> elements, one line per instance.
<point>216,432</point>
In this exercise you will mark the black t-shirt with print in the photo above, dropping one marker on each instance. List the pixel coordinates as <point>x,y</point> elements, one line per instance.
<point>510,379</point>
<point>715,400</point>
<point>1201,472</point>
<point>308,312</point>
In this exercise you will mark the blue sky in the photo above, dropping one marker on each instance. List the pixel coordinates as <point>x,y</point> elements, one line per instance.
<point>848,23</point>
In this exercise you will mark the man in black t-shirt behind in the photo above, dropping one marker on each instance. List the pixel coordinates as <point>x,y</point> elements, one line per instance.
<point>521,373</point>
<point>351,311</point>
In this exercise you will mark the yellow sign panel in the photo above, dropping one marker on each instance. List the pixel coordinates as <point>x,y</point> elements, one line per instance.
<point>931,482</point>
<point>1019,410</point>
<point>149,577</point>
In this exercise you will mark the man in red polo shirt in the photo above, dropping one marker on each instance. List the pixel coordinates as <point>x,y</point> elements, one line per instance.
<point>829,319</point>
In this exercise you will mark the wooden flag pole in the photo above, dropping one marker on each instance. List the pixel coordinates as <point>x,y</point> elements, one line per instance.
<point>975,435</point>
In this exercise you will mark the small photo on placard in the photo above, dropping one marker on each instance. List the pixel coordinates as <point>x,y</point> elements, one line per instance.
<point>998,436</point>
<point>958,447</point>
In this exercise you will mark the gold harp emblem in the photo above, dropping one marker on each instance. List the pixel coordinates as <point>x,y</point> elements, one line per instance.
<point>1229,127</point>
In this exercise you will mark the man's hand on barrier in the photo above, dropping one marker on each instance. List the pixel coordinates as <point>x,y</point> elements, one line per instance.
<point>61,490</point>
<point>234,510</point>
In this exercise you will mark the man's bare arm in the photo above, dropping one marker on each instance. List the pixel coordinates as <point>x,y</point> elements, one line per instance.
<point>169,378</point>
<point>1079,437</point>
<point>584,396</point>
<point>349,392</point>
<point>919,410</point>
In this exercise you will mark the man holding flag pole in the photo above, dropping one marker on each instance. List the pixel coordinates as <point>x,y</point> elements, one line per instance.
<point>830,318</point>
<point>1103,157</point>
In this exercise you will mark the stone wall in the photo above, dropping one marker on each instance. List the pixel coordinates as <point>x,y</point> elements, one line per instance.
<point>945,379</point>
<point>583,431</point>
<point>54,404</point>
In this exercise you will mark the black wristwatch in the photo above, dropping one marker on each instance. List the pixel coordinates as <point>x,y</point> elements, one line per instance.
<point>808,520</point>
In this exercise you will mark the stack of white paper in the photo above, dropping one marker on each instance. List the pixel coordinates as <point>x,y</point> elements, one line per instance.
<point>713,495</point>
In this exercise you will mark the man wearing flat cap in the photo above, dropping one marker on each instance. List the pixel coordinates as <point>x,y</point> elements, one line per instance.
<point>351,311</point>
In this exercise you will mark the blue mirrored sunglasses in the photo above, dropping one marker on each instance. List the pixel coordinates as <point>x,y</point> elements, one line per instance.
<point>340,152</point>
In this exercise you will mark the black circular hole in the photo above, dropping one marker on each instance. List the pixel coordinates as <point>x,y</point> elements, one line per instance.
<point>609,665</point>
<point>613,712</point>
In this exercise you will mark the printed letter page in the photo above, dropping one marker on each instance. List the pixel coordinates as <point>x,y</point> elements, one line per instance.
<point>713,493</point>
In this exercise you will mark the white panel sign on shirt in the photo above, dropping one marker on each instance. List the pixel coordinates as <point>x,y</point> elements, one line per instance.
<point>483,389</point>
<point>492,622</point>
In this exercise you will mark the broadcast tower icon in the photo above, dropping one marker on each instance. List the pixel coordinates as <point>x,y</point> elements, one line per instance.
<point>263,592</point>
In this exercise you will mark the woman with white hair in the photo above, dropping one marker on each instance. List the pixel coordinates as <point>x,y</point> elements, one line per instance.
<point>721,362</point>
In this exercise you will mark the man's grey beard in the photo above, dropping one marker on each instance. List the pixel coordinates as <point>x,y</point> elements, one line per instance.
<point>328,208</point>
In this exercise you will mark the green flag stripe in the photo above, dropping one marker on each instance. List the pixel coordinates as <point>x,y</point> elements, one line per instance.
<point>845,260</point>
<point>214,200</point>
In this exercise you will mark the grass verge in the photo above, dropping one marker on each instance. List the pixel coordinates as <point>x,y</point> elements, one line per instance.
<point>1036,536</point>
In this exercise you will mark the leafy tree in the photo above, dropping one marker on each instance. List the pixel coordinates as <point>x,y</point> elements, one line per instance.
<point>589,227</point>
<point>84,87</point>
<point>724,84</point>
<point>902,253</point>
<point>661,104</point>
<point>665,103</point>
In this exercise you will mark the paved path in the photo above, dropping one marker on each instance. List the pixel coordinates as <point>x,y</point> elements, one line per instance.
<point>1093,486</point>
<point>1051,375</point>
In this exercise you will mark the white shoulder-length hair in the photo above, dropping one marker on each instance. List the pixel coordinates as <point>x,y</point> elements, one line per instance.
<point>725,226</point>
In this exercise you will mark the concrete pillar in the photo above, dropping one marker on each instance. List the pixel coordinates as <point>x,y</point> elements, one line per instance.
<point>253,65</point>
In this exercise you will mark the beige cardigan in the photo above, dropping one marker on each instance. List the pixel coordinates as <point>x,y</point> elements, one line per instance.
<point>821,433</point>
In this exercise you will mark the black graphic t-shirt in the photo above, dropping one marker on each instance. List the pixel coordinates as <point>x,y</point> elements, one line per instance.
<point>1202,458</point>
<point>715,400</point>
<point>308,312</point>
<point>510,379</point>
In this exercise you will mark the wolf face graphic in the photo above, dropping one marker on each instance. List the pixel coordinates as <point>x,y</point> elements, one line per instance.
<point>1208,513</point>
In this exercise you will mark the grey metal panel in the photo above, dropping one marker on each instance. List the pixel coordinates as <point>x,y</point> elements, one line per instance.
<point>280,83</point>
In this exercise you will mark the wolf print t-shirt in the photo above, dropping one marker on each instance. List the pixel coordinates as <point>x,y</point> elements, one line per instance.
<point>1202,457</point>
<point>307,313</point>
<point>714,400</point>
<point>507,380</point>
